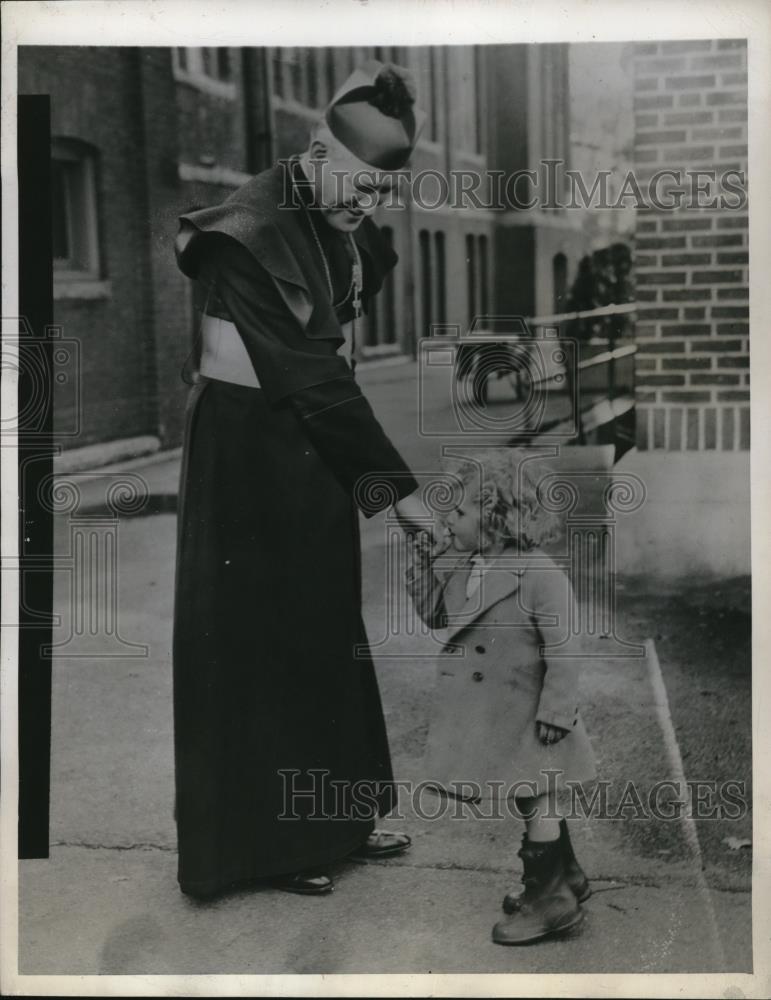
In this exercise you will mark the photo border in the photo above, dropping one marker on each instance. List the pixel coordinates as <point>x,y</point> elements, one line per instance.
<point>351,22</point>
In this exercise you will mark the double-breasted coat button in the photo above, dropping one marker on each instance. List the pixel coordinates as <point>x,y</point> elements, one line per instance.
<point>479,649</point>
<point>477,675</point>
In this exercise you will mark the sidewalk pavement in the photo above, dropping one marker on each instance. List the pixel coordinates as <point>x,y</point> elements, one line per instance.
<point>107,901</point>
<point>413,403</point>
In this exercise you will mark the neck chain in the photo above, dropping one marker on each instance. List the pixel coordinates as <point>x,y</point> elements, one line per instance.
<point>357,279</point>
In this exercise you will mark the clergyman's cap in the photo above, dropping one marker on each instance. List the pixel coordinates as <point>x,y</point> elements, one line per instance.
<point>373,115</point>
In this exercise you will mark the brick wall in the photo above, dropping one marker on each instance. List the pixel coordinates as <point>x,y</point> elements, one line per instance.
<point>94,95</point>
<point>163,307</point>
<point>690,106</point>
<point>135,334</point>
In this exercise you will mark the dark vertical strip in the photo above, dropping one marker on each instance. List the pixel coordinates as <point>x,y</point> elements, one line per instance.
<point>278,72</point>
<point>483,274</point>
<point>479,99</point>
<point>471,296</point>
<point>257,108</point>
<point>425,274</point>
<point>433,122</point>
<point>329,69</point>
<point>408,308</point>
<point>389,294</point>
<point>566,145</point>
<point>146,158</point>
<point>35,465</point>
<point>441,279</point>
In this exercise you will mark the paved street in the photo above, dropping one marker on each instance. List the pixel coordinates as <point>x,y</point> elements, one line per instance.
<point>107,900</point>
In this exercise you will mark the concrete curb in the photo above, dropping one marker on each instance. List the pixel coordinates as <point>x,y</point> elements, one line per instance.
<point>94,456</point>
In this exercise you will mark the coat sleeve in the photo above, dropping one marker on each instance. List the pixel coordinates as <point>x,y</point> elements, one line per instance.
<point>553,603</point>
<point>426,592</point>
<point>304,373</point>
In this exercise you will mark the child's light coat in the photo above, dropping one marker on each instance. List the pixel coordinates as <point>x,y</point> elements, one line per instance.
<point>498,682</point>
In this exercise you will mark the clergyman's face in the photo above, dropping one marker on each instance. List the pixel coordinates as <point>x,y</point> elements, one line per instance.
<point>346,188</point>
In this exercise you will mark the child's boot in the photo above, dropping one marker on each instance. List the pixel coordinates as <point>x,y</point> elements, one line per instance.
<point>574,874</point>
<point>548,904</point>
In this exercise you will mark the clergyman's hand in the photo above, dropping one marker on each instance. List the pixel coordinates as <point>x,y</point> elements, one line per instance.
<point>412,516</point>
<point>419,550</point>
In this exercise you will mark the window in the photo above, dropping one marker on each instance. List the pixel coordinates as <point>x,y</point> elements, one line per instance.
<point>426,283</point>
<point>477,278</point>
<point>471,278</point>
<point>483,281</point>
<point>311,78</point>
<point>560,281</point>
<point>303,75</point>
<point>74,210</point>
<point>467,111</point>
<point>329,73</point>
<point>479,102</point>
<point>294,59</point>
<point>549,121</point>
<point>388,54</point>
<point>209,69</point>
<point>379,327</point>
<point>441,280</point>
<point>427,63</point>
<point>223,64</point>
<point>434,81</point>
<point>433,280</point>
<point>278,73</point>
<point>388,295</point>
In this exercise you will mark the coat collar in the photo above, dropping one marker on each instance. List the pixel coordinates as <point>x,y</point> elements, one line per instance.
<point>265,218</point>
<point>378,257</point>
<point>500,579</point>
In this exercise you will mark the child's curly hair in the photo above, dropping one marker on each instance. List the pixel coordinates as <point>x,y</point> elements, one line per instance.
<point>511,511</point>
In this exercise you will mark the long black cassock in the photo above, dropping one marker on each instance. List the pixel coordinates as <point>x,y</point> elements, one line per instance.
<point>268,591</point>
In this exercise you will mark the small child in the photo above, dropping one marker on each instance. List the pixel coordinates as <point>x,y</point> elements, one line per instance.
<point>505,712</point>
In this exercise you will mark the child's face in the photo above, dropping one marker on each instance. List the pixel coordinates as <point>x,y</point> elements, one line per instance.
<point>463,523</point>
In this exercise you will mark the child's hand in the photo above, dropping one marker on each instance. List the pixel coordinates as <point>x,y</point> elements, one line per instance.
<point>419,548</point>
<point>551,734</point>
<point>442,543</point>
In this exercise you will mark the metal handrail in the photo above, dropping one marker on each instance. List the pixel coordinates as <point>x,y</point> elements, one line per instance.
<point>611,310</point>
<point>607,357</point>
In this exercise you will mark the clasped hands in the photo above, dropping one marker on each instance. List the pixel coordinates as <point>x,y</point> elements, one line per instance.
<point>424,540</point>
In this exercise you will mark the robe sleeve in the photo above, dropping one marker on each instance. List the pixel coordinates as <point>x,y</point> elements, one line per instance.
<point>318,384</point>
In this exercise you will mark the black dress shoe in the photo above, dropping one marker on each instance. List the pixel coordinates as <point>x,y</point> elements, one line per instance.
<point>304,883</point>
<point>380,844</point>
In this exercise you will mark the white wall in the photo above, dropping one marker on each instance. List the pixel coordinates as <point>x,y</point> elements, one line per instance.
<point>695,519</point>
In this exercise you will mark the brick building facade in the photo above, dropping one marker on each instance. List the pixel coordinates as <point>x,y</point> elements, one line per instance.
<point>142,135</point>
<point>690,103</point>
